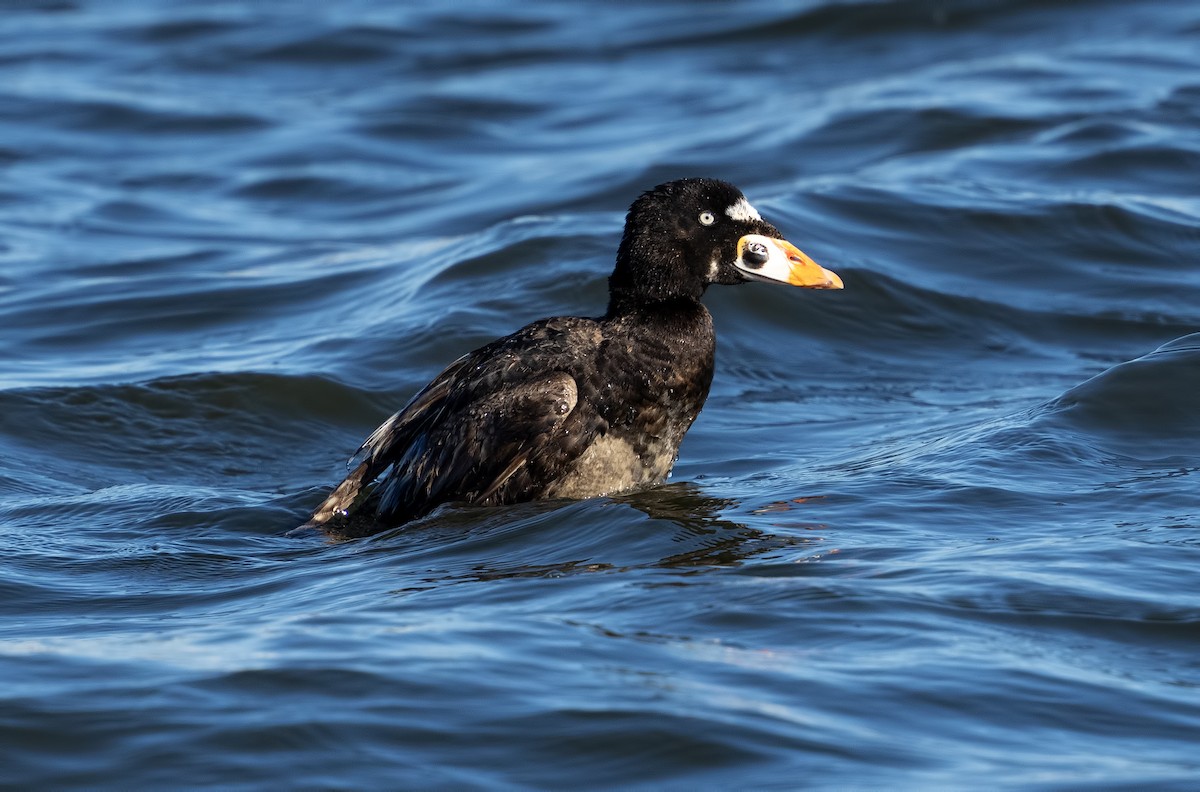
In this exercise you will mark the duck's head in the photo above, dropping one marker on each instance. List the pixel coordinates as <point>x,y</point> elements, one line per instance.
<point>684,235</point>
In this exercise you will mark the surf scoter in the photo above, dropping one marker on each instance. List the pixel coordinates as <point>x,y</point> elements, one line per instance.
<point>570,407</point>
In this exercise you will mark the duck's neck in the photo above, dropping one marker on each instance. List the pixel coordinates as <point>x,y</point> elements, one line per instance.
<point>681,330</point>
<point>624,304</point>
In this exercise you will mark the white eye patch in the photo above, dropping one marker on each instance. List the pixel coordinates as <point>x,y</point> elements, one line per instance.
<point>743,211</point>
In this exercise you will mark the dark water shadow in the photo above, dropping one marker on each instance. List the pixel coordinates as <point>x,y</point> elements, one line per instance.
<point>674,526</point>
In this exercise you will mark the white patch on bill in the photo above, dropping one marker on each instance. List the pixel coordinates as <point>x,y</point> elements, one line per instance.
<point>775,268</point>
<point>743,211</point>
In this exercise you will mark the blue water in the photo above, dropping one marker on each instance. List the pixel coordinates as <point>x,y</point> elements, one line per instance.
<point>938,530</point>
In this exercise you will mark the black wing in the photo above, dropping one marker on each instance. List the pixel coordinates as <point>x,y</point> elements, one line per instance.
<point>472,432</point>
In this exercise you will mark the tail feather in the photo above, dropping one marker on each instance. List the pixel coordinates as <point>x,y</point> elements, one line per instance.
<point>343,499</point>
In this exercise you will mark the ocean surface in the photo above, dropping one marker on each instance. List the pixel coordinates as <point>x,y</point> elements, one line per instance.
<point>940,530</point>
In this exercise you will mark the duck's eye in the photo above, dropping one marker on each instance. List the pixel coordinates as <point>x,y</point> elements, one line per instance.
<point>707,218</point>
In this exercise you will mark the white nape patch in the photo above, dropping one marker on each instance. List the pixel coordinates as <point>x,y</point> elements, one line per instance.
<point>743,211</point>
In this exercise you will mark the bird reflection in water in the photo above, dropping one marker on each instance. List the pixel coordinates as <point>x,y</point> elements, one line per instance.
<point>681,514</point>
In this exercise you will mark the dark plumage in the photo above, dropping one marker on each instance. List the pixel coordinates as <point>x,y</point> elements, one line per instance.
<point>570,407</point>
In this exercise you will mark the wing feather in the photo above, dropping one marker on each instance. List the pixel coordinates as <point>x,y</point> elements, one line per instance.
<point>473,434</point>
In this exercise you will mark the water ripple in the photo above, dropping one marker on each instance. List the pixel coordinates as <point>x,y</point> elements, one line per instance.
<point>954,502</point>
